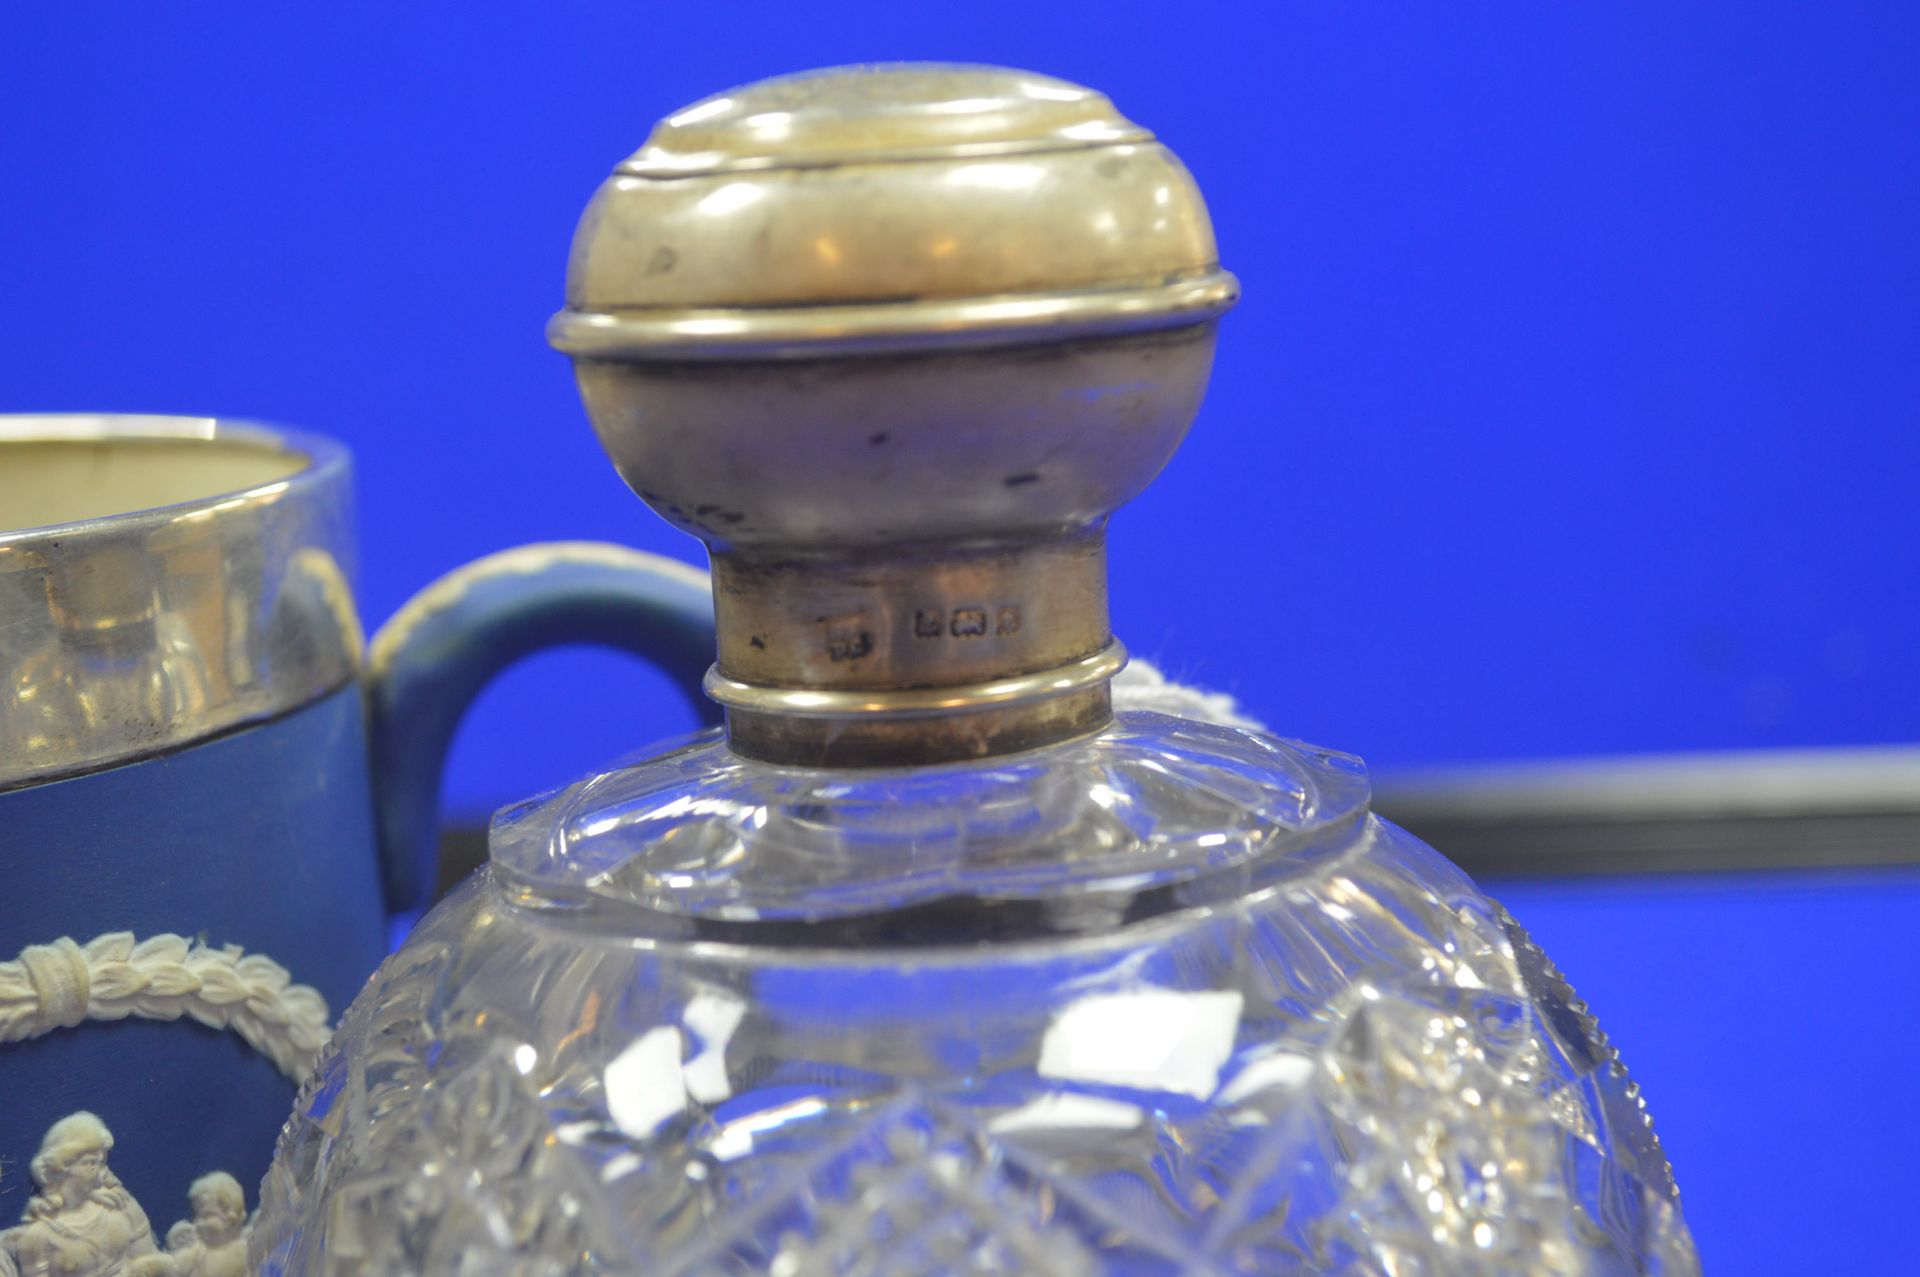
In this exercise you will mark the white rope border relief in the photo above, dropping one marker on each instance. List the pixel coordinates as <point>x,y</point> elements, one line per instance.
<point>165,977</point>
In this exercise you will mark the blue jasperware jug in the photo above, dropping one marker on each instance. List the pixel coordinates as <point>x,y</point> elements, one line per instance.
<point>211,805</point>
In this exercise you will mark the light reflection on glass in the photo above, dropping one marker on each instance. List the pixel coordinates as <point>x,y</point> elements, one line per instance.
<point>1063,1111</point>
<point>735,1139</point>
<point>1148,1039</point>
<point>644,1085</point>
<point>711,1018</point>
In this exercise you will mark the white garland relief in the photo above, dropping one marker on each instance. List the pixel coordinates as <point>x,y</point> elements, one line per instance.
<point>81,1221</point>
<point>164,977</point>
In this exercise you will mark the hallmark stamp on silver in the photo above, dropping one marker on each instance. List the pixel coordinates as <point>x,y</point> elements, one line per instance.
<point>848,638</point>
<point>974,621</point>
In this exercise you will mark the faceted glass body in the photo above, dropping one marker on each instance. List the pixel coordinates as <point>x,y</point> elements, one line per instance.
<point>1166,999</point>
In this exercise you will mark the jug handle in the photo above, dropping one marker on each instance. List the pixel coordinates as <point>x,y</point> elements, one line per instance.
<point>448,642</point>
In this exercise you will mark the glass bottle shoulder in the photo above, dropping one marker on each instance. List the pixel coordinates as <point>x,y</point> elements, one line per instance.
<point>1151,815</point>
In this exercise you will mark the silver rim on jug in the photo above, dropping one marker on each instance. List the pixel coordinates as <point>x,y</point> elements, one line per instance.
<point>165,579</point>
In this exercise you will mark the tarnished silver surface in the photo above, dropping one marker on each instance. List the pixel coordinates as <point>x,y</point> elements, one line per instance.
<point>894,342</point>
<point>162,580</point>
<point>942,198</point>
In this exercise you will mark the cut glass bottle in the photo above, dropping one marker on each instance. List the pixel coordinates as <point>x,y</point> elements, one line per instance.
<point>931,963</point>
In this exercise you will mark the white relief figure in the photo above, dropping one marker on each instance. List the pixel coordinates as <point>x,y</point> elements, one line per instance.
<point>82,1222</point>
<point>214,1242</point>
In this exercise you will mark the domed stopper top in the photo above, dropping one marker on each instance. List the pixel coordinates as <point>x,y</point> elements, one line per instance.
<point>867,114</point>
<point>894,342</point>
<point>884,208</point>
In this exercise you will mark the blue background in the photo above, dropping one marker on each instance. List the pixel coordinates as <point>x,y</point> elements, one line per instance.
<point>1572,408</point>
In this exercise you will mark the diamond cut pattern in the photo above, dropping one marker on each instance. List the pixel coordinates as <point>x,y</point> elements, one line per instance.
<point>1410,1088</point>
